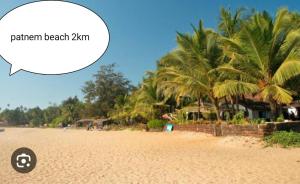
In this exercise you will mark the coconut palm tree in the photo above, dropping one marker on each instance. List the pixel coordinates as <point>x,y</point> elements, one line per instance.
<point>141,103</point>
<point>148,97</point>
<point>264,55</point>
<point>185,71</point>
<point>230,24</point>
<point>174,84</point>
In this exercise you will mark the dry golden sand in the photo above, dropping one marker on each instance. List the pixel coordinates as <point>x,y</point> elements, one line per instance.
<point>79,156</point>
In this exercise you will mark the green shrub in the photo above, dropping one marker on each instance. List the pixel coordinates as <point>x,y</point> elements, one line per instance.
<point>180,117</point>
<point>257,121</point>
<point>31,125</point>
<point>284,138</point>
<point>238,118</point>
<point>57,121</point>
<point>280,118</point>
<point>51,125</point>
<point>156,124</point>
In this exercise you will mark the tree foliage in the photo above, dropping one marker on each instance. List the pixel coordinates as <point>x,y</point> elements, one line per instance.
<point>186,71</point>
<point>251,54</point>
<point>264,55</point>
<point>101,94</point>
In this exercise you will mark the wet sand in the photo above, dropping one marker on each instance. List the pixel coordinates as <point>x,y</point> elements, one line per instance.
<point>79,156</point>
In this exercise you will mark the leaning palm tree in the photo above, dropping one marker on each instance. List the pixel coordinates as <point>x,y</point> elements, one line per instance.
<point>264,55</point>
<point>147,97</point>
<point>141,102</point>
<point>184,72</point>
<point>173,83</point>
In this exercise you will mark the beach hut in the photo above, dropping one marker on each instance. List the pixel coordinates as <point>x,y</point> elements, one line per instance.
<point>83,122</point>
<point>3,123</point>
<point>253,109</point>
<point>191,112</point>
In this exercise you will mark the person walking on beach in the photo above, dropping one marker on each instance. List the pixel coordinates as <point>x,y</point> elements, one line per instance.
<point>90,126</point>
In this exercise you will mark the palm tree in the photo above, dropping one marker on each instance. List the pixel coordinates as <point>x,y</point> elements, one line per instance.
<point>185,71</point>
<point>264,55</point>
<point>230,24</point>
<point>148,97</point>
<point>124,107</point>
<point>141,102</point>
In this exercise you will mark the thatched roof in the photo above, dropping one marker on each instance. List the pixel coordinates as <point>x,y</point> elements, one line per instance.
<point>101,120</point>
<point>251,104</point>
<point>207,107</point>
<point>85,120</point>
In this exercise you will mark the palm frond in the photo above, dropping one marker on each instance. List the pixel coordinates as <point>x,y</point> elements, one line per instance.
<point>290,68</point>
<point>233,87</point>
<point>277,93</point>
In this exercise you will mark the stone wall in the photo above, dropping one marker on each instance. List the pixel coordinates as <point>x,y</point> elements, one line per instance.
<point>240,130</point>
<point>206,128</point>
<point>247,130</point>
<point>289,126</point>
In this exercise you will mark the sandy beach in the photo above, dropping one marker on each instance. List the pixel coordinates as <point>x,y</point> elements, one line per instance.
<point>79,156</point>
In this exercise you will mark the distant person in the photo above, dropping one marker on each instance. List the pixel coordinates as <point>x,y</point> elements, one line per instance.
<point>90,126</point>
<point>166,117</point>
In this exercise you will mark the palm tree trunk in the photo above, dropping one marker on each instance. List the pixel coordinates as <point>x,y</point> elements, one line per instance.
<point>232,104</point>
<point>246,105</point>
<point>237,103</point>
<point>199,107</point>
<point>279,111</point>
<point>273,107</point>
<point>216,104</point>
<point>226,103</point>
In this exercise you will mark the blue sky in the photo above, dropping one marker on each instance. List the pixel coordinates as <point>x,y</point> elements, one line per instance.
<point>141,31</point>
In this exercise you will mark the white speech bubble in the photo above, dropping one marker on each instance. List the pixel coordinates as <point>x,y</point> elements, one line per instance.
<point>52,37</point>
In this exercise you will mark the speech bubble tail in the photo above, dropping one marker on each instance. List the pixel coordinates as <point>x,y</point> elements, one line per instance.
<point>13,70</point>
